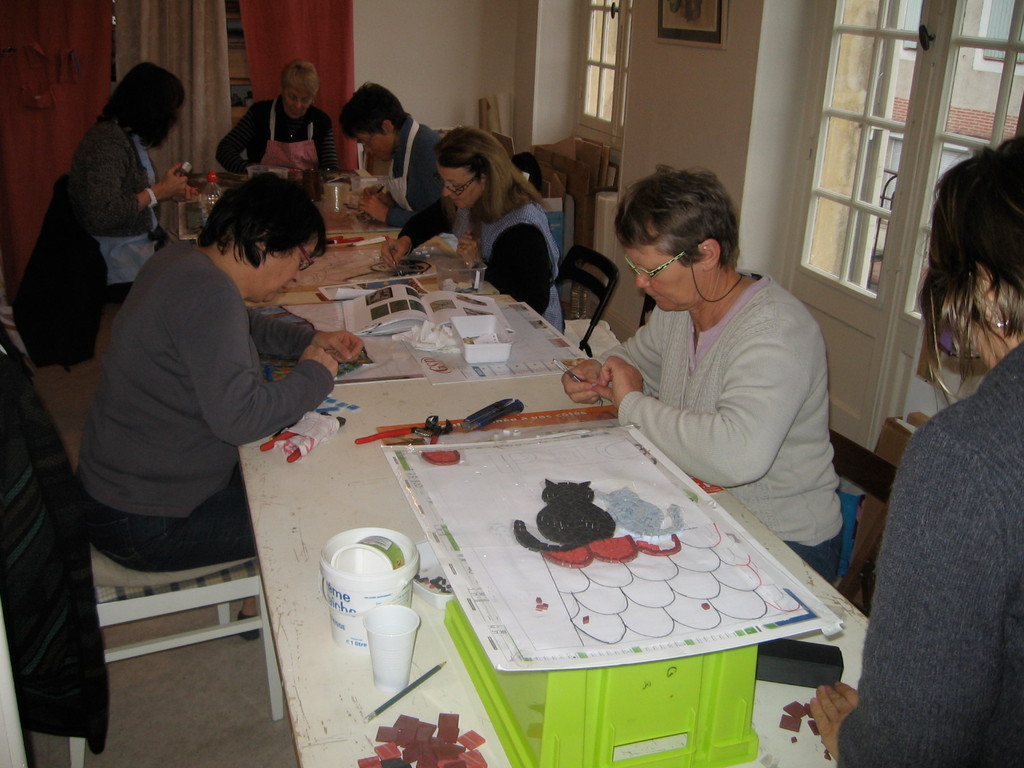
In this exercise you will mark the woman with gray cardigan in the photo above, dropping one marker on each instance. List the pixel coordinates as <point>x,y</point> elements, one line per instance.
<point>113,186</point>
<point>728,377</point>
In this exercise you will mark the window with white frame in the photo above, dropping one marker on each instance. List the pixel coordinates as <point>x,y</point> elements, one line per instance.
<point>604,67</point>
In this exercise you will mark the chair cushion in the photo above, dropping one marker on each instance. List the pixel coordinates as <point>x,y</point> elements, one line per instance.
<point>115,582</point>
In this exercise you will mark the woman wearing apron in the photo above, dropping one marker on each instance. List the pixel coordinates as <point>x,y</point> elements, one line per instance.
<point>112,184</point>
<point>495,213</point>
<point>287,131</point>
<point>374,117</point>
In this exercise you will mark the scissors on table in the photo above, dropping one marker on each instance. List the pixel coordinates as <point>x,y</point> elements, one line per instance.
<point>432,429</point>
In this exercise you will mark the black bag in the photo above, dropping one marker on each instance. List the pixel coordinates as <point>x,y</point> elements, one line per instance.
<point>60,301</point>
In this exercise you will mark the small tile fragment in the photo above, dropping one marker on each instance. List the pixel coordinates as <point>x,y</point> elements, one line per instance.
<point>471,740</point>
<point>795,708</point>
<point>790,723</point>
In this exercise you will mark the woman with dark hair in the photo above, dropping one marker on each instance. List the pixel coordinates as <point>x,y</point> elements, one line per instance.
<point>943,681</point>
<point>728,376</point>
<point>182,386</point>
<point>375,118</point>
<point>113,186</point>
<point>495,212</point>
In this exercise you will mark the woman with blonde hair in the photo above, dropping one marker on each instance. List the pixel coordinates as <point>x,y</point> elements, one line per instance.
<point>287,131</point>
<point>942,681</point>
<point>496,214</point>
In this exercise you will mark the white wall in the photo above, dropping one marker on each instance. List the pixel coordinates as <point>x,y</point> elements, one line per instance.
<point>437,56</point>
<point>779,154</point>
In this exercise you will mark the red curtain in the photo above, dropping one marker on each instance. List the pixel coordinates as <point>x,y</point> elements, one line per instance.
<point>317,30</point>
<point>55,63</point>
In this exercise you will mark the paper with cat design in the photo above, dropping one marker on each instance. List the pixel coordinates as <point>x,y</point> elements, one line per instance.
<point>593,549</point>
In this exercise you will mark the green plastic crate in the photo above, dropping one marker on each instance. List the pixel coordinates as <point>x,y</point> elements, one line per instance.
<point>693,712</point>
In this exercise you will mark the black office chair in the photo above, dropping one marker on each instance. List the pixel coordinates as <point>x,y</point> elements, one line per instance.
<point>592,272</point>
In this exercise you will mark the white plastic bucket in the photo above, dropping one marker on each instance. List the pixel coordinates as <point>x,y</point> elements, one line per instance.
<point>356,578</point>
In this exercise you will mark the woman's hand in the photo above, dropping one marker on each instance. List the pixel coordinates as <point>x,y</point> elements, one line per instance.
<point>829,707</point>
<point>617,379</point>
<point>343,346</point>
<point>375,205</point>
<point>174,186</point>
<point>582,391</point>
<point>322,356</point>
<point>469,248</point>
<point>393,251</point>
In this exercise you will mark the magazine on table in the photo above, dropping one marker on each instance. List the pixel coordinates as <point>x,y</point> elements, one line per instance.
<point>396,308</point>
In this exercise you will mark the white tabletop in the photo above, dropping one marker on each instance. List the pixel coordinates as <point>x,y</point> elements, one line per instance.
<point>297,507</point>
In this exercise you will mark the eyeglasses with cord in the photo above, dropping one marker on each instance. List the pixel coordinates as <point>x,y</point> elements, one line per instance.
<point>455,189</point>
<point>650,274</point>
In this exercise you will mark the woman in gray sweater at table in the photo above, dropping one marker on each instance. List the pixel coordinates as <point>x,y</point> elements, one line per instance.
<point>182,386</point>
<point>943,673</point>
<point>728,376</point>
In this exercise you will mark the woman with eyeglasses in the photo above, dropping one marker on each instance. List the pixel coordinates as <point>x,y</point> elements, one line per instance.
<point>943,679</point>
<point>728,376</point>
<point>182,386</point>
<point>495,212</point>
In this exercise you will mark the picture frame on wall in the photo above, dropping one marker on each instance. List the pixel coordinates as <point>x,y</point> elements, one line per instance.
<point>692,22</point>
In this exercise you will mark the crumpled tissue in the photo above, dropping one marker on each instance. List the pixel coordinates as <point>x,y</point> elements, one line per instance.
<point>430,337</point>
<point>309,431</point>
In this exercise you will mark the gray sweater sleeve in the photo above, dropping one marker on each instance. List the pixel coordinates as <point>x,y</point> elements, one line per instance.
<point>106,177</point>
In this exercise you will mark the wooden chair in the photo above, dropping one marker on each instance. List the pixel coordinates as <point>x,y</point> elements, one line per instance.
<point>124,595</point>
<point>874,472</point>
<point>587,270</point>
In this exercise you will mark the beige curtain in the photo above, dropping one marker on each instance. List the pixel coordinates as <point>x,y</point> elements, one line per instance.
<point>189,38</point>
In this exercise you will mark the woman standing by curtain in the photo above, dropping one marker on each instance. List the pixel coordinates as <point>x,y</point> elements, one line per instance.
<point>113,186</point>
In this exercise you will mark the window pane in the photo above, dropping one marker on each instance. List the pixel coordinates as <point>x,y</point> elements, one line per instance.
<point>829,239</point>
<point>893,81</point>
<point>596,35</point>
<point>911,15</point>
<point>862,13</point>
<point>868,244</point>
<point>593,73</point>
<point>611,39</point>
<point>607,93</point>
<point>1016,105</point>
<point>973,96</point>
<point>880,163</point>
<point>839,164</point>
<point>853,72</point>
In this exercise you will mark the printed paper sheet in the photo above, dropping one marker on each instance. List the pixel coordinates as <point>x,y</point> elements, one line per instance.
<point>694,582</point>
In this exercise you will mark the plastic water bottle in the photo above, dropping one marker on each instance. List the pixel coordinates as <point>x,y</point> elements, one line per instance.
<point>209,196</point>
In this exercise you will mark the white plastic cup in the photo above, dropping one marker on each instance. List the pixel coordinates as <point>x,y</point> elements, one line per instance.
<point>391,632</point>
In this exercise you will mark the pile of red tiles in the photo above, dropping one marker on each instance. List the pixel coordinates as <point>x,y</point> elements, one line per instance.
<point>411,741</point>
<point>795,713</point>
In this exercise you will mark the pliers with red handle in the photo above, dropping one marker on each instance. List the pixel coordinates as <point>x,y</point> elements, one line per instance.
<point>432,429</point>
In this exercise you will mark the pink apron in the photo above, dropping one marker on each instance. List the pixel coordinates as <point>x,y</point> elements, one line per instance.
<point>294,154</point>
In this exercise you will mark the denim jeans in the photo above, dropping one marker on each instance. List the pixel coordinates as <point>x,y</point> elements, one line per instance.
<point>216,531</point>
<point>824,557</point>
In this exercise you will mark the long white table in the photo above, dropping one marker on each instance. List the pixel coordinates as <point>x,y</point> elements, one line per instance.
<point>297,507</point>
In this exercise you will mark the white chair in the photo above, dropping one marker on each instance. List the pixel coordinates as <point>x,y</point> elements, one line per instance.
<point>124,595</point>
